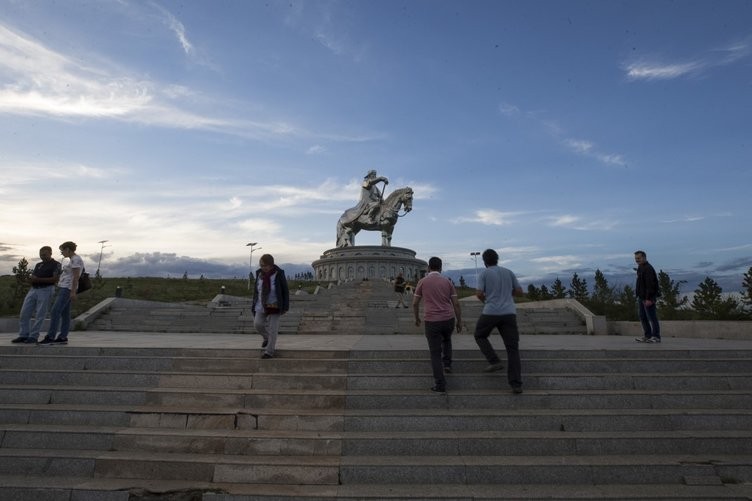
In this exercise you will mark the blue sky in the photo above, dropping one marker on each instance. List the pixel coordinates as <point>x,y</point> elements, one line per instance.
<point>564,134</point>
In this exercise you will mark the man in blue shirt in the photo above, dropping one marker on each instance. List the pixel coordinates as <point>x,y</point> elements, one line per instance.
<point>496,289</point>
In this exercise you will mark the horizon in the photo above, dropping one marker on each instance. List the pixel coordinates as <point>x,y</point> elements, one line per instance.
<point>564,137</point>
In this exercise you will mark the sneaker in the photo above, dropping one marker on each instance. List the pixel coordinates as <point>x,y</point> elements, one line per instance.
<point>60,340</point>
<point>643,339</point>
<point>494,367</point>
<point>653,340</point>
<point>517,389</point>
<point>266,355</point>
<point>30,340</point>
<point>47,341</point>
<point>20,340</point>
<point>266,342</point>
<point>447,370</point>
<point>438,389</point>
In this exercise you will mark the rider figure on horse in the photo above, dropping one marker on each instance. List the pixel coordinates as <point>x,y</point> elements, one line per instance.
<point>370,196</point>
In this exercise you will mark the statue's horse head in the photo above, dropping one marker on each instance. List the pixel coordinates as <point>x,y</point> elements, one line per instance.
<point>401,198</point>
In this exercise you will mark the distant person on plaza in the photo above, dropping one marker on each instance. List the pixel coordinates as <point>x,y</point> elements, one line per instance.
<point>399,288</point>
<point>647,292</point>
<point>72,267</point>
<point>271,299</point>
<point>38,299</point>
<point>496,288</point>
<point>441,314</point>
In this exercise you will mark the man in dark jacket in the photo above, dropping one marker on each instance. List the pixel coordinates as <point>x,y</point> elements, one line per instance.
<point>271,299</point>
<point>647,292</point>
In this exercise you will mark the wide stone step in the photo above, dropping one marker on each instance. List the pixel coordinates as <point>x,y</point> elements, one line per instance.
<point>562,470</point>
<point>549,381</point>
<point>376,399</point>
<point>252,363</point>
<point>548,420</point>
<point>464,443</point>
<point>282,398</point>
<point>20,488</point>
<point>603,365</point>
<point>174,417</point>
<point>331,470</point>
<point>315,470</point>
<point>244,380</point>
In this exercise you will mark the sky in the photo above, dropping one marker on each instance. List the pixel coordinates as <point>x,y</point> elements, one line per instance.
<point>564,134</point>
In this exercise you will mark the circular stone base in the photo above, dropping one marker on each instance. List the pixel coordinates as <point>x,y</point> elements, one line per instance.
<point>371,262</point>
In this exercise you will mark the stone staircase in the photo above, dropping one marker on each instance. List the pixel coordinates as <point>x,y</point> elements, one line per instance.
<point>363,307</point>
<point>82,423</point>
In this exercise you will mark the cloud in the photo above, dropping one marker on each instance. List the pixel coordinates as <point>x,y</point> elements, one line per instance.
<point>656,71</point>
<point>487,217</point>
<point>177,28</point>
<point>315,150</point>
<point>587,148</point>
<point>700,64</point>
<point>582,147</point>
<point>46,83</point>
<point>741,264</point>
<point>554,263</point>
<point>577,223</point>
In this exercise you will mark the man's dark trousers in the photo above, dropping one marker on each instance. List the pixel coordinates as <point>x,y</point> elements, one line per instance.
<point>507,325</point>
<point>439,336</point>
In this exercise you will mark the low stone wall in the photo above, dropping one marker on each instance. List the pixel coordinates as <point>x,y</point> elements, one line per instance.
<point>709,329</point>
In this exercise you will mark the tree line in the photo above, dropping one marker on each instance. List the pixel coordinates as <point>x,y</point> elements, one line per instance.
<point>620,302</point>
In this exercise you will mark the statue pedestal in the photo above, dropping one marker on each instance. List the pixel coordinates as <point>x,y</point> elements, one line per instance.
<point>370,262</point>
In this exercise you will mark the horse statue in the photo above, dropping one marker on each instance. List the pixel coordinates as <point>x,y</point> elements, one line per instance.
<point>384,219</point>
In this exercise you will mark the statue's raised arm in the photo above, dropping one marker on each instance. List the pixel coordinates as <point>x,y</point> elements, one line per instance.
<point>373,212</point>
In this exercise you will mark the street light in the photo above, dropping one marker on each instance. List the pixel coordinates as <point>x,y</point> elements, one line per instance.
<point>101,248</point>
<point>250,273</point>
<point>475,256</point>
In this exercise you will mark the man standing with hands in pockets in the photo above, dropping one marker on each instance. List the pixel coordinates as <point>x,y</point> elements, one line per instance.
<point>442,312</point>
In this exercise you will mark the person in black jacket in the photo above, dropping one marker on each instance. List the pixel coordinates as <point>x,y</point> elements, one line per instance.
<point>271,299</point>
<point>647,292</point>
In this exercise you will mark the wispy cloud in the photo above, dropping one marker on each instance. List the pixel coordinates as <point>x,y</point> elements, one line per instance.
<point>578,223</point>
<point>43,82</point>
<point>555,263</point>
<point>582,147</point>
<point>177,28</point>
<point>656,69</point>
<point>488,217</point>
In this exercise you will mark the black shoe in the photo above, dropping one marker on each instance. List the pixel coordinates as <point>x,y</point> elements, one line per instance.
<point>447,370</point>
<point>60,340</point>
<point>30,340</point>
<point>494,367</point>
<point>20,340</point>
<point>517,389</point>
<point>266,355</point>
<point>439,389</point>
<point>264,343</point>
<point>47,341</point>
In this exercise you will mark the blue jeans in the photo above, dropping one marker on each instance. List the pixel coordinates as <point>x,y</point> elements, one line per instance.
<point>60,315</point>
<point>36,304</point>
<point>439,336</point>
<point>649,319</point>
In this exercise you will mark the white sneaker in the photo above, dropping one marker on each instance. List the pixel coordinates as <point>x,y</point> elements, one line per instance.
<point>642,339</point>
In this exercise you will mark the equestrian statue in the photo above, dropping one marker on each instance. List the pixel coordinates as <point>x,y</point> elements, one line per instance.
<point>374,212</point>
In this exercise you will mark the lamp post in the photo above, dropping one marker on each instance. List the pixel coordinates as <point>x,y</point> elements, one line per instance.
<point>250,273</point>
<point>475,256</point>
<point>101,249</point>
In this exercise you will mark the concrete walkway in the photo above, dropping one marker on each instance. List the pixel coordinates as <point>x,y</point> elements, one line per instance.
<point>119,339</point>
